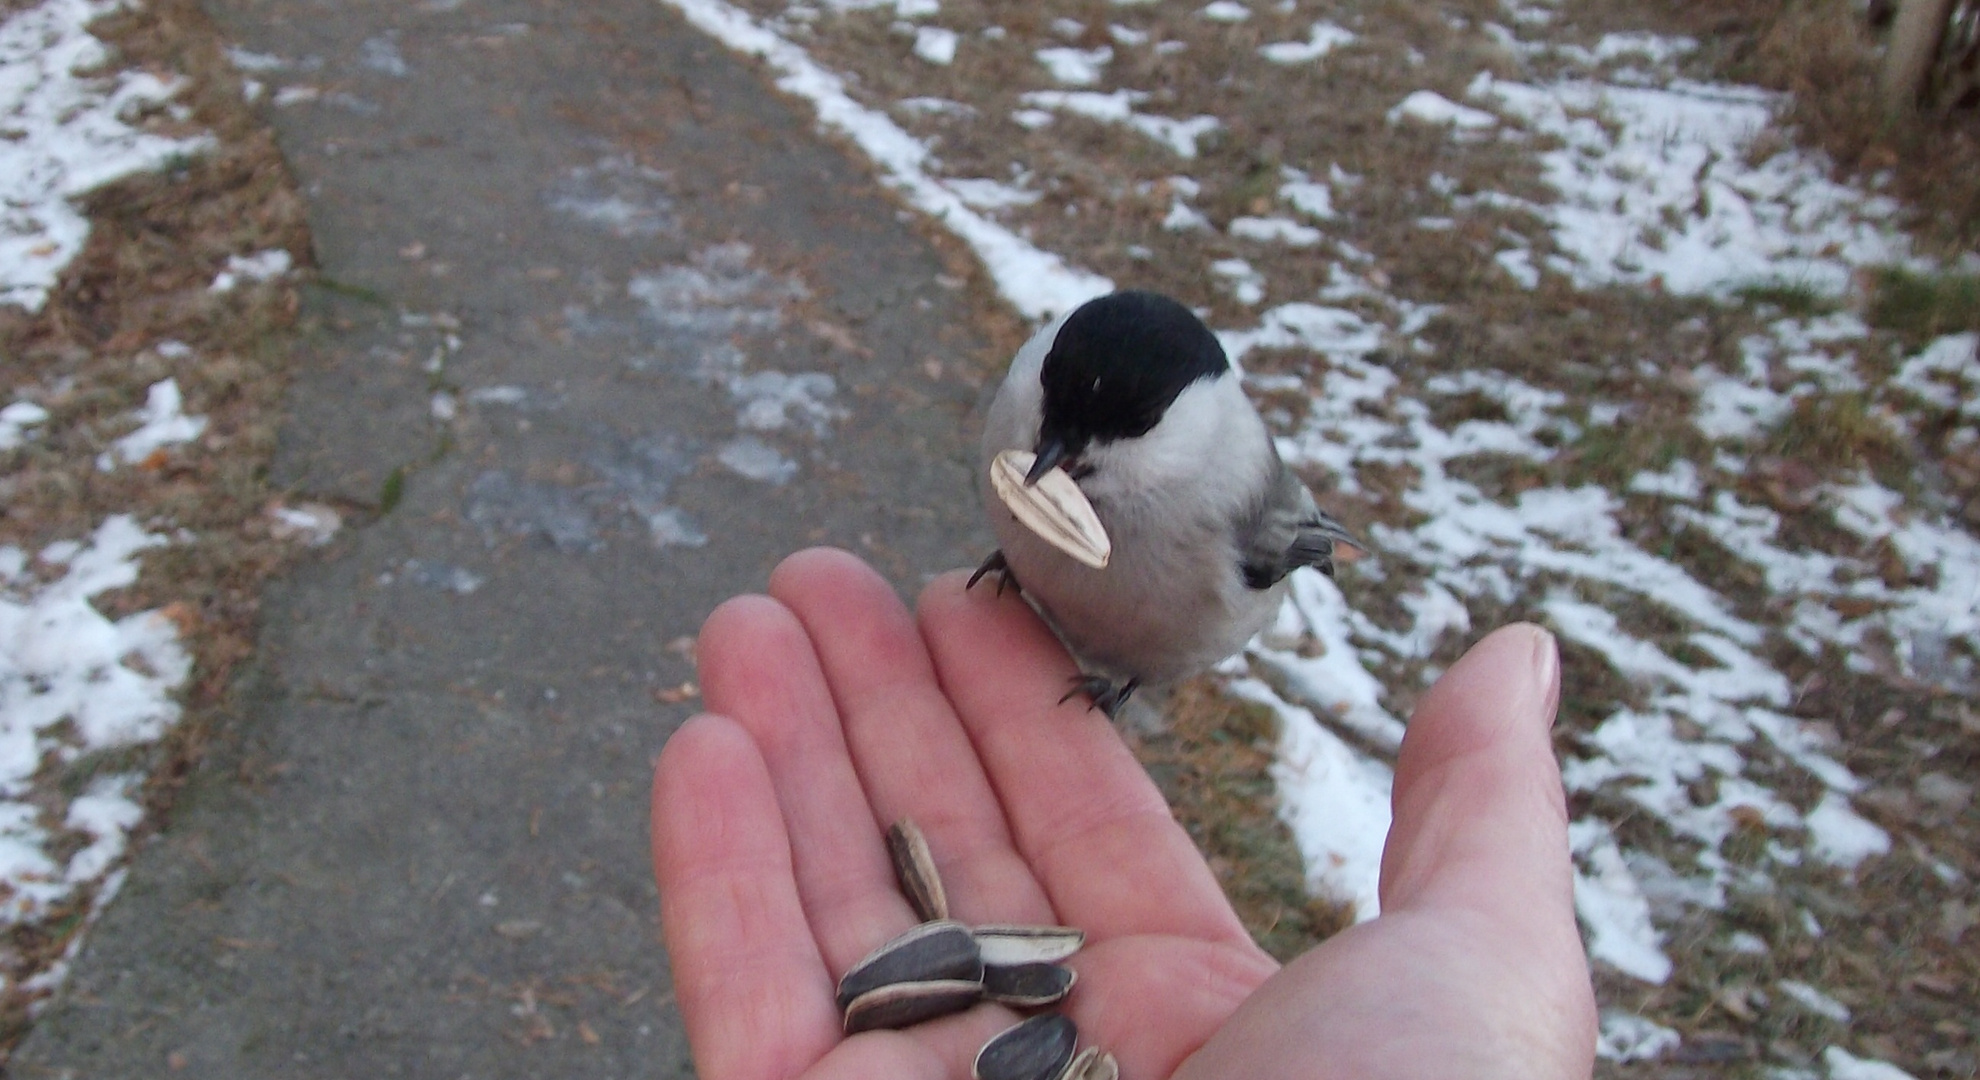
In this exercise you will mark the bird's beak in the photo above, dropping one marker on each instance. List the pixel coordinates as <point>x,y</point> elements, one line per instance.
<point>1050,453</point>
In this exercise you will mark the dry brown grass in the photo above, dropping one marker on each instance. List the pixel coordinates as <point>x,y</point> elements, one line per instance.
<point>1212,763</point>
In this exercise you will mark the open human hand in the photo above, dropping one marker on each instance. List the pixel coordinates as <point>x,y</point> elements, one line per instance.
<point>834,712</point>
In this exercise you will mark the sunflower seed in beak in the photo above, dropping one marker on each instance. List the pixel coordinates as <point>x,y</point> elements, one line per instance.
<point>1054,508</point>
<point>914,866</point>
<point>1038,1049</point>
<point>1027,986</point>
<point>931,952</point>
<point>899,1005</point>
<point>1093,1064</point>
<point>1009,946</point>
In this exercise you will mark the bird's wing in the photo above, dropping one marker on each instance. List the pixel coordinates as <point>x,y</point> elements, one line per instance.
<point>1289,531</point>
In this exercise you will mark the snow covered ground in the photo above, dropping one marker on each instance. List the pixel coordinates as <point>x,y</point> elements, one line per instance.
<point>1651,180</point>
<point>68,131</point>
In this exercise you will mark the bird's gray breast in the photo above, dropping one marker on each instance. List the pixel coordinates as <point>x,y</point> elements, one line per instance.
<point>1170,602</point>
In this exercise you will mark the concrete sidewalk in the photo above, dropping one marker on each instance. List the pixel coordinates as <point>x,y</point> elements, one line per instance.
<point>628,332</point>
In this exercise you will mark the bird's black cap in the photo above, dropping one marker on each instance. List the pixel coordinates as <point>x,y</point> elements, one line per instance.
<point>1116,366</point>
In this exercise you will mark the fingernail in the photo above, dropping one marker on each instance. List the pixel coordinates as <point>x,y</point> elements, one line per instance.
<point>1547,671</point>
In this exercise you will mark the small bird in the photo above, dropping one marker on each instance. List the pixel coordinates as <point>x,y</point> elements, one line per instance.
<point>1135,399</point>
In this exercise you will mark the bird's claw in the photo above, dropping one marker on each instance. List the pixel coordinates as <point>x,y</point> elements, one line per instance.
<point>1102,692</point>
<point>995,564</point>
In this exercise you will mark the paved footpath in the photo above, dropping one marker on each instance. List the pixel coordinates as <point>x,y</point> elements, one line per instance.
<point>630,332</point>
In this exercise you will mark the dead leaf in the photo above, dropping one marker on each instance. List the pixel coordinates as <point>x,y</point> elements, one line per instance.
<point>674,695</point>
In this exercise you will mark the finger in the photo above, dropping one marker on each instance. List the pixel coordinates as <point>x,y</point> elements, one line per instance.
<point>753,990</point>
<point>1085,816</point>
<point>1201,984</point>
<point>758,667</point>
<point>934,1050</point>
<point>1480,818</point>
<point>913,757</point>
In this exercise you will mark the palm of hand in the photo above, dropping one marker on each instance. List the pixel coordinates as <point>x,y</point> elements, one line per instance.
<point>835,715</point>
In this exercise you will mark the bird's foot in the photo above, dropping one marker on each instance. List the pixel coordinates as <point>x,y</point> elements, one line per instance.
<point>1102,692</point>
<point>995,564</point>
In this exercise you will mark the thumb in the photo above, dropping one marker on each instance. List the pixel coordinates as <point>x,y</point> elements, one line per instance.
<point>1480,817</point>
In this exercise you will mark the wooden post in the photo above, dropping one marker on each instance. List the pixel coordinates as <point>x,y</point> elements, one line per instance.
<point>1914,45</point>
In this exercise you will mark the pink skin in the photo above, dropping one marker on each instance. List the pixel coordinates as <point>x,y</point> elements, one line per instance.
<point>833,711</point>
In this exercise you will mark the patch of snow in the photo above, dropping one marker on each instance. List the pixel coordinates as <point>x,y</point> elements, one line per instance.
<point>162,423</point>
<point>1225,11</point>
<point>1518,263</point>
<point>1430,107</point>
<point>1075,67</point>
<point>257,62</point>
<point>260,266</point>
<point>1843,1065</point>
<point>1660,185</point>
<point>1747,943</point>
<point>1945,374</point>
<point>1275,230</point>
<point>1612,907</point>
<point>15,419</point>
<point>1626,1037</point>
<point>1324,38</point>
<point>311,523</point>
<point>905,9</point>
<point>73,682</point>
<point>985,194</point>
<point>1182,216</point>
<point>936,45</point>
<point>1655,48</point>
<point>68,133</point>
<point>1841,837</point>
<point>1730,407</point>
<point>1334,798</point>
<point>1678,481</point>
<point>1329,674</point>
<point>1814,1000</point>
<point>1306,195</point>
<point>1117,107</point>
<point>934,106</point>
<point>1242,279</point>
